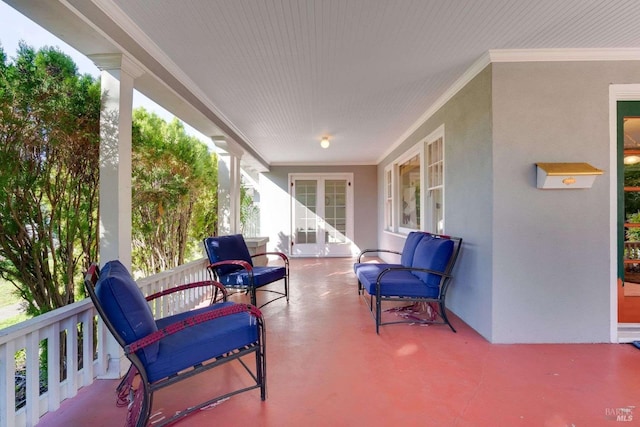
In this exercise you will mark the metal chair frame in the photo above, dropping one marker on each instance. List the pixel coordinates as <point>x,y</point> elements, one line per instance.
<point>445,282</point>
<point>250,288</point>
<point>140,401</point>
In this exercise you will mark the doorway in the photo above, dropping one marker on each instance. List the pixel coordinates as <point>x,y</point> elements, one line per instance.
<point>628,144</point>
<point>321,215</point>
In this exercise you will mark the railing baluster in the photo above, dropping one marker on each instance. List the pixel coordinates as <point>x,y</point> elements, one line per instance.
<point>7,384</point>
<point>53,363</point>
<point>32,349</point>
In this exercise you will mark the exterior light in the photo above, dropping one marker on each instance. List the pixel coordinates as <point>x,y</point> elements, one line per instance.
<point>324,142</point>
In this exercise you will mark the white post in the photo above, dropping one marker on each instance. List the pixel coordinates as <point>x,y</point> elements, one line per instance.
<point>117,77</point>
<point>229,182</point>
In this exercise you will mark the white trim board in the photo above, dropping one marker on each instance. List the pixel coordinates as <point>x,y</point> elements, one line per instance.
<point>628,332</point>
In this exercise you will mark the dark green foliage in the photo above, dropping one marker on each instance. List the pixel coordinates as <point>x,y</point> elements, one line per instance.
<point>174,189</point>
<point>49,145</point>
<point>631,198</point>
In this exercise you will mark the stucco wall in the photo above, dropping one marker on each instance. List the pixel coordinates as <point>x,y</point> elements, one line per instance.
<point>275,203</point>
<point>551,247</point>
<point>468,194</point>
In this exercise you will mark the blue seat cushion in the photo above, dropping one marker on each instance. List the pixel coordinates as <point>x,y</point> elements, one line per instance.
<point>433,254</point>
<point>226,248</point>
<point>126,308</point>
<point>366,265</point>
<point>262,275</point>
<point>202,342</point>
<point>408,251</point>
<point>399,283</point>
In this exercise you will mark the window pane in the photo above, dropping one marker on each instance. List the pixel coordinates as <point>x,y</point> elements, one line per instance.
<point>335,192</point>
<point>388,203</point>
<point>305,211</point>
<point>435,166</point>
<point>409,175</point>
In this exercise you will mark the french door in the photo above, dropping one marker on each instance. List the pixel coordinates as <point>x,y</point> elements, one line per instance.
<point>321,215</point>
<point>629,211</point>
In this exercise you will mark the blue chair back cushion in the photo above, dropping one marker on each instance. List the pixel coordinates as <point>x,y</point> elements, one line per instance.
<point>126,308</point>
<point>433,254</point>
<point>226,248</point>
<point>413,238</point>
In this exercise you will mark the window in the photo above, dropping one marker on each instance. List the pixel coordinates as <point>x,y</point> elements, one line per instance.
<point>414,188</point>
<point>435,186</point>
<point>388,201</point>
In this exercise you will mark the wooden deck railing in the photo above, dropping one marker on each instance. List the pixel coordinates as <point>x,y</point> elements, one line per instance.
<point>67,337</point>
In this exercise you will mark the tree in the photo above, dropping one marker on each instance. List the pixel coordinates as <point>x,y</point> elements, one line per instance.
<point>173,186</point>
<point>49,145</point>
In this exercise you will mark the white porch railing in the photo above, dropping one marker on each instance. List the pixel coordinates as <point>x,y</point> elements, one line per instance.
<point>66,337</point>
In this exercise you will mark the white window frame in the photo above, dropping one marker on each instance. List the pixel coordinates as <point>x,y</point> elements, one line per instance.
<point>389,198</point>
<point>391,190</point>
<point>433,138</point>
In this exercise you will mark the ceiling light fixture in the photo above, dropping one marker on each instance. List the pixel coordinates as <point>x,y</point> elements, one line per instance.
<point>324,142</point>
<point>631,160</point>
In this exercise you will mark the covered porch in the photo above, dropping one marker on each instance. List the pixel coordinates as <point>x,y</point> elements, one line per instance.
<point>327,366</point>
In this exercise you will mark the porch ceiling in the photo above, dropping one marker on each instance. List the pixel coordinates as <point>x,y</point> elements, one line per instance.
<point>277,75</point>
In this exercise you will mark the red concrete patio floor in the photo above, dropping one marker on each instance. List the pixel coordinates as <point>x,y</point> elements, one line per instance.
<point>327,367</point>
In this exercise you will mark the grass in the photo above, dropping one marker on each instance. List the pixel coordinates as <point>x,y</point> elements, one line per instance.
<point>9,297</point>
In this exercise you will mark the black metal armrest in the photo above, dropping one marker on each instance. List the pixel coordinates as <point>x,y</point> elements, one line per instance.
<point>284,257</point>
<point>191,321</point>
<point>376,250</point>
<point>169,291</point>
<point>423,270</point>
<point>243,264</point>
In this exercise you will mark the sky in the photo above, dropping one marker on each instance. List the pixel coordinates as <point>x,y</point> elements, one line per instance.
<point>14,27</point>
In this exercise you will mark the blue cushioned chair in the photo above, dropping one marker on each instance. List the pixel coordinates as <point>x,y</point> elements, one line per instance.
<point>232,265</point>
<point>423,276</point>
<point>167,350</point>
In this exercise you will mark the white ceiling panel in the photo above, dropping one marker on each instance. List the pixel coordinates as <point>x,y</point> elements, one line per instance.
<point>283,73</point>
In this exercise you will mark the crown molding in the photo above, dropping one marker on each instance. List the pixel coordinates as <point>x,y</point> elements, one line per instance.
<point>564,55</point>
<point>479,65</point>
<point>515,55</point>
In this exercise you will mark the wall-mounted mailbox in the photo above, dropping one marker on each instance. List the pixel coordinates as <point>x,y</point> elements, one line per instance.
<point>566,175</point>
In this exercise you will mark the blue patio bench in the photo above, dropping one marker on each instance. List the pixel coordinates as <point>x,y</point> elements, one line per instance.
<point>423,275</point>
<point>165,351</point>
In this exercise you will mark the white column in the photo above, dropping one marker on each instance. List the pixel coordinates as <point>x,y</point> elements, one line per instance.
<point>229,182</point>
<point>117,82</point>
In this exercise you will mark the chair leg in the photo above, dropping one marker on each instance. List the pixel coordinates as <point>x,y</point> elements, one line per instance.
<point>286,287</point>
<point>443,313</point>
<point>140,408</point>
<point>378,314</point>
<point>261,371</point>
<point>252,293</point>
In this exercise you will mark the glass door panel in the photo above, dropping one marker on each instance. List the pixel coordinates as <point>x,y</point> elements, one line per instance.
<point>305,212</point>
<point>335,211</point>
